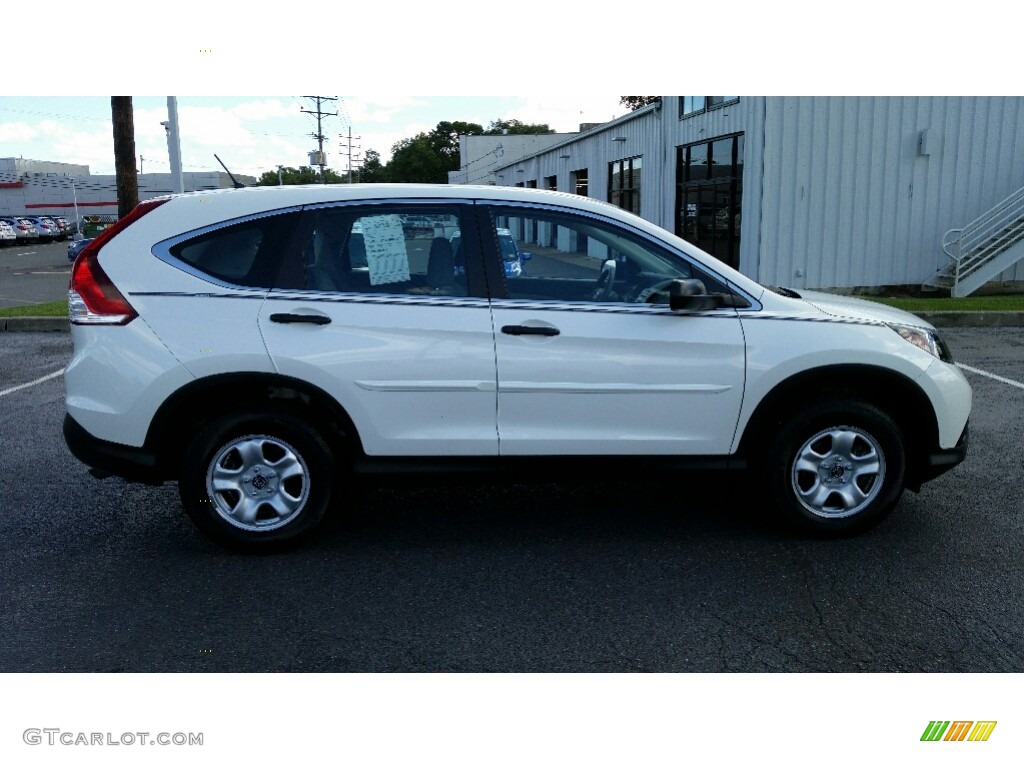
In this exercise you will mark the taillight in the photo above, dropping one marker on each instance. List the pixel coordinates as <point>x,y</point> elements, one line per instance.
<point>92,298</point>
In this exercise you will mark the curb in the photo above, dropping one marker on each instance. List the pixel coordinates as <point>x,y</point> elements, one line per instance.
<point>973,319</point>
<point>35,324</point>
<point>938,319</point>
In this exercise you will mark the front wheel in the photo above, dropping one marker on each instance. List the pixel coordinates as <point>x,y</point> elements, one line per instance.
<point>837,467</point>
<point>256,480</point>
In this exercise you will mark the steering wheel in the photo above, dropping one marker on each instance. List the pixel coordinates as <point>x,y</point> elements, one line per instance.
<point>650,292</point>
<point>605,280</point>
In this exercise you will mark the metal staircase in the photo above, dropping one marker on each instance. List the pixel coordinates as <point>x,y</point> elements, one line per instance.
<point>978,252</point>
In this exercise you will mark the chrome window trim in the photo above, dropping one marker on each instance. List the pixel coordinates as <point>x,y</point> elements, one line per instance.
<point>352,297</point>
<point>608,307</point>
<point>431,201</point>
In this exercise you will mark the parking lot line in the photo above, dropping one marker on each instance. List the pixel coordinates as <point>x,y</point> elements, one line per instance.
<point>980,372</point>
<point>47,377</point>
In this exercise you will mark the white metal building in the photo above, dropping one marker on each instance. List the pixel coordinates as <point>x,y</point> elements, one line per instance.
<point>478,158</point>
<point>39,187</point>
<point>815,192</point>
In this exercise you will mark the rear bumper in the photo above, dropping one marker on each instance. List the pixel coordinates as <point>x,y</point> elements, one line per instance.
<point>110,458</point>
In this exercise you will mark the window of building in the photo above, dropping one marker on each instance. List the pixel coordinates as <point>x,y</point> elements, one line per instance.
<point>691,105</point>
<point>624,183</point>
<point>694,105</point>
<point>578,179</point>
<point>709,193</point>
<point>531,184</point>
<point>551,182</point>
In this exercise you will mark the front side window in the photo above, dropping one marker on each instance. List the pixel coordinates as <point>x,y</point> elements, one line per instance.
<point>580,259</point>
<point>396,250</point>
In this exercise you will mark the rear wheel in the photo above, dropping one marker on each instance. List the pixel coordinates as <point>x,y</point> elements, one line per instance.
<point>837,467</point>
<point>257,479</point>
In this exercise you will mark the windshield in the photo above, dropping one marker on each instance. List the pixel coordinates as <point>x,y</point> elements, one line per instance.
<point>509,251</point>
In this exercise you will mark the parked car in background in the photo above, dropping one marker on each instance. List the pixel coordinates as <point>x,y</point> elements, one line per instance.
<point>7,236</point>
<point>24,229</point>
<point>48,231</point>
<point>63,227</point>
<point>511,257</point>
<point>626,350</point>
<point>75,247</point>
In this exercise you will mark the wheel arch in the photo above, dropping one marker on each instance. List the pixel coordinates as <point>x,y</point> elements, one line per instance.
<point>196,404</point>
<point>892,392</point>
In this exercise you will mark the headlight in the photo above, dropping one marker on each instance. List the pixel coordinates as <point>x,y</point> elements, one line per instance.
<point>925,339</point>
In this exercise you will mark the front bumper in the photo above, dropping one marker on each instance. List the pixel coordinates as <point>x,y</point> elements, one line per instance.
<point>939,461</point>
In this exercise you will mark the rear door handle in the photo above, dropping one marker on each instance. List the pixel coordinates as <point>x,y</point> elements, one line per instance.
<point>290,317</point>
<point>530,330</point>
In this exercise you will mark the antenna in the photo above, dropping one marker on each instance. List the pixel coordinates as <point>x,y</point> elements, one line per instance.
<point>236,182</point>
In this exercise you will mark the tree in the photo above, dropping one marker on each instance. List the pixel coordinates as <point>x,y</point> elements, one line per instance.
<point>304,174</point>
<point>636,102</point>
<point>516,127</point>
<point>428,157</point>
<point>373,171</point>
<point>417,160</point>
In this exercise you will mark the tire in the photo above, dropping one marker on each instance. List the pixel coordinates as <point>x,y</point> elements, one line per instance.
<point>257,480</point>
<point>836,468</point>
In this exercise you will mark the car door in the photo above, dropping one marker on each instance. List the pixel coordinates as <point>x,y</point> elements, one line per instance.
<point>591,360</point>
<point>392,322</point>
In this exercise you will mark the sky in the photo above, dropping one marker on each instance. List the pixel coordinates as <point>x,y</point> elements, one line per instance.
<point>551,61</point>
<point>254,134</point>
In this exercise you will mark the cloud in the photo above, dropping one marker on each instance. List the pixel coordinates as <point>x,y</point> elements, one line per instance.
<point>265,110</point>
<point>377,109</point>
<point>16,132</point>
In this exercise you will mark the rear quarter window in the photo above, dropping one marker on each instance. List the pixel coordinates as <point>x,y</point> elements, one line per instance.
<point>248,253</point>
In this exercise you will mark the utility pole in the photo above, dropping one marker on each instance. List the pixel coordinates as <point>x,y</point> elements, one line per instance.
<point>124,154</point>
<point>174,144</point>
<point>350,137</point>
<point>319,135</point>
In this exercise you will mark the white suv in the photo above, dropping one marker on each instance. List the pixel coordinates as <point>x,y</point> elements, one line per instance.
<point>258,345</point>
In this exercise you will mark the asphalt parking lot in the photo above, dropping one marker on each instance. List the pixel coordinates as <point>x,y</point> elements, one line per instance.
<point>612,575</point>
<point>33,273</point>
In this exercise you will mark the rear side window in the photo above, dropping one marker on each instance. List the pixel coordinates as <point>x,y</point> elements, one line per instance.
<point>413,248</point>
<point>248,253</point>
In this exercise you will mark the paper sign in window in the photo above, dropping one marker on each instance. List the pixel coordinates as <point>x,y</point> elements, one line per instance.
<point>386,256</point>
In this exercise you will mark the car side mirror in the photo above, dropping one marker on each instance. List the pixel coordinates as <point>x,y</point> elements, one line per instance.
<point>525,255</point>
<point>690,296</point>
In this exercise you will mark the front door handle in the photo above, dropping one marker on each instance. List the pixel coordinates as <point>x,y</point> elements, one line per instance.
<point>290,317</point>
<point>530,330</point>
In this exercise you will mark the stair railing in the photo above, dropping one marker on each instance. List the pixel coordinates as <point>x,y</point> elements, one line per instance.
<point>971,246</point>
